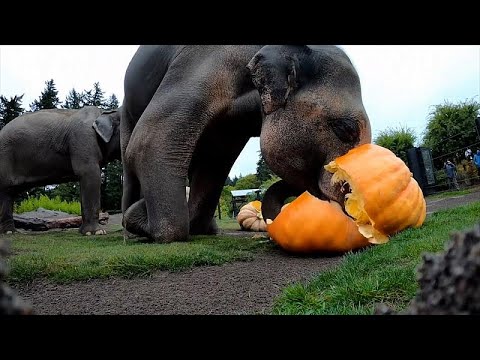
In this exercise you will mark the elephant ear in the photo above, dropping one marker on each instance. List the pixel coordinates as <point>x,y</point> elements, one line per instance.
<point>103,125</point>
<point>274,70</point>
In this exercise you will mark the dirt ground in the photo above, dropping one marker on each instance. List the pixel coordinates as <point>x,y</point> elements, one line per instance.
<point>235,288</point>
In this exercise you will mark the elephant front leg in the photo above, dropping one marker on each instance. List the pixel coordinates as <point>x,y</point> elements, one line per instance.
<point>158,154</point>
<point>214,158</point>
<point>6,213</point>
<point>162,215</point>
<point>90,183</point>
<point>131,185</point>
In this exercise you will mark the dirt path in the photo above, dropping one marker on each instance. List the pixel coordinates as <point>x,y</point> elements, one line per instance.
<point>236,288</point>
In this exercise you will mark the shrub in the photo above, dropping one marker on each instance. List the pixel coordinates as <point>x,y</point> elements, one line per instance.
<point>32,204</point>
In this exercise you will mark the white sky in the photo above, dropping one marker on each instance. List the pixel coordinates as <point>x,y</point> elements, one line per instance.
<point>400,83</point>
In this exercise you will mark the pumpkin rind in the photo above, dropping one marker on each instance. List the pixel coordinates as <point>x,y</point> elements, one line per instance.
<point>250,217</point>
<point>385,197</point>
<point>309,224</point>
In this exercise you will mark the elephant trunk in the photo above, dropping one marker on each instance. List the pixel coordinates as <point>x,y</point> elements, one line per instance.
<point>275,197</point>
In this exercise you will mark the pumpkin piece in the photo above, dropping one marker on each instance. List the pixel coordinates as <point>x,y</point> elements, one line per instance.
<point>250,217</point>
<point>309,224</point>
<point>384,198</point>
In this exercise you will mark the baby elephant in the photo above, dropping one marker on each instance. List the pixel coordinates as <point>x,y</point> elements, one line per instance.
<point>57,146</point>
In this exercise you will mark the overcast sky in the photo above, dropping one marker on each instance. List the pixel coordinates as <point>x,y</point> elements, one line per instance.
<point>400,84</point>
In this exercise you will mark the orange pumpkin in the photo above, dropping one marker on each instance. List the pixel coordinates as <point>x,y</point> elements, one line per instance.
<point>250,217</point>
<point>309,224</point>
<point>384,198</point>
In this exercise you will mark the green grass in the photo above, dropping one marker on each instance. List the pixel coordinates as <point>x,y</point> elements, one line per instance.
<point>32,204</point>
<point>382,273</point>
<point>67,256</point>
<point>452,193</point>
<point>228,224</point>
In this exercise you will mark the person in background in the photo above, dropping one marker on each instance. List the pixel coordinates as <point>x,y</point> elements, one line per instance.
<point>451,171</point>
<point>469,154</point>
<point>476,160</point>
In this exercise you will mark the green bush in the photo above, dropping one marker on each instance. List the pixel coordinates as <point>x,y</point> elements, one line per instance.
<point>226,202</point>
<point>32,204</point>
<point>466,172</point>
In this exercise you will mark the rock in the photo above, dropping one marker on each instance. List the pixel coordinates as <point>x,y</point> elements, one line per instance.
<point>450,281</point>
<point>43,220</point>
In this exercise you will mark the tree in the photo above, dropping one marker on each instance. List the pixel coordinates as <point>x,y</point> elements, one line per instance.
<point>111,103</point>
<point>234,180</point>
<point>249,181</point>
<point>263,171</point>
<point>48,99</point>
<point>398,140</point>
<point>10,109</point>
<point>111,195</point>
<point>94,97</point>
<point>67,191</point>
<point>451,129</point>
<point>74,100</point>
<point>228,181</point>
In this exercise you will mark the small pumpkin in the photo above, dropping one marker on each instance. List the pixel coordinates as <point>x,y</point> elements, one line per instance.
<point>309,224</point>
<point>384,198</point>
<point>250,217</point>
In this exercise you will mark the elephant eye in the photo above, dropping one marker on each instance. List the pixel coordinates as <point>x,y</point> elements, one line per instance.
<point>347,129</point>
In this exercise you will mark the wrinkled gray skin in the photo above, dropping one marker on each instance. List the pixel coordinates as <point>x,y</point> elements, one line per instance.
<point>56,146</point>
<point>188,111</point>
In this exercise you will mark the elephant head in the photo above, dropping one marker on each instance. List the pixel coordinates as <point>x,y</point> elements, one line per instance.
<point>107,126</point>
<point>312,113</point>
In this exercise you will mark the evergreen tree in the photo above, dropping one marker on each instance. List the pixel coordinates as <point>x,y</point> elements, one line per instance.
<point>74,100</point>
<point>94,97</point>
<point>111,190</point>
<point>263,171</point>
<point>49,98</point>
<point>10,109</point>
<point>228,181</point>
<point>111,103</point>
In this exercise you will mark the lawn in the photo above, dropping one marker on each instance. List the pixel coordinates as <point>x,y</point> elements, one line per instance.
<point>452,193</point>
<point>382,273</point>
<point>66,256</point>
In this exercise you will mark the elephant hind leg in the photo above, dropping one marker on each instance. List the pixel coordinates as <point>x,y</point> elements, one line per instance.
<point>6,213</point>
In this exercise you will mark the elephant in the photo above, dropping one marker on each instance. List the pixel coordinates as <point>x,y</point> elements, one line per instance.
<point>54,146</point>
<point>189,110</point>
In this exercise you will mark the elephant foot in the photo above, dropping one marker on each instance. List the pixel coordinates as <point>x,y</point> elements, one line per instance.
<point>7,229</point>
<point>98,232</point>
<point>163,230</point>
<point>135,220</point>
<point>89,230</point>
<point>210,228</point>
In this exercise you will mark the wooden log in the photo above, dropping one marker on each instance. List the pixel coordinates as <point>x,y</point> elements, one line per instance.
<point>44,224</point>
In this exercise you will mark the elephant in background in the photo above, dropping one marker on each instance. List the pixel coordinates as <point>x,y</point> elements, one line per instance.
<point>188,112</point>
<point>56,146</point>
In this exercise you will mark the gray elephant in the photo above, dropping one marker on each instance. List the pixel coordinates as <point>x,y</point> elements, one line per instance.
<point>56,146</point>
<point>188,111</point>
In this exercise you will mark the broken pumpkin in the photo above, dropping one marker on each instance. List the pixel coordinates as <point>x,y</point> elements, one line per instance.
<point>309,224</point>
<point>384,198</point>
